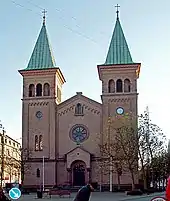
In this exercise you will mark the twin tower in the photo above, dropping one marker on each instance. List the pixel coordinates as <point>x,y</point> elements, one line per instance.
<point>51,127</point>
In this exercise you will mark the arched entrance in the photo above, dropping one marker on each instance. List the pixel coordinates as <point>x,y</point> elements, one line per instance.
<point>78,173</point>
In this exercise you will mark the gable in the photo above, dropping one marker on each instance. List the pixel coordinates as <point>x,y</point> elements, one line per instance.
<point>77,154</point>
<point>88,104</point>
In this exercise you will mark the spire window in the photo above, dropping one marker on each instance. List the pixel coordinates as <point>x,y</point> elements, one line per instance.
<point>31,90</point>
<point>46,89</point>
<point>111,86</point>
<point>39,90</point>
<point>119,86</point>
<point>127,85</point>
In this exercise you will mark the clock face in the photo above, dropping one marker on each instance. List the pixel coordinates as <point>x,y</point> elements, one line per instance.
<point>39,115</point>
<point>119,110</point>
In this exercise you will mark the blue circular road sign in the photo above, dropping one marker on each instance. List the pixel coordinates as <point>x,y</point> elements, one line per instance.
<point>14,193</point>
<point>158,198</point>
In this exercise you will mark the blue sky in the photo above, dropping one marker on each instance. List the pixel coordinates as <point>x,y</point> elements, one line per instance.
<point>80,33</point>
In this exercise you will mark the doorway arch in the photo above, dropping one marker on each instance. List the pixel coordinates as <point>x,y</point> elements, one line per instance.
<point>78,173</point>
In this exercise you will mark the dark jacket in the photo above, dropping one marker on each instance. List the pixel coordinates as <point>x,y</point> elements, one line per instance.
<point>83,194</point>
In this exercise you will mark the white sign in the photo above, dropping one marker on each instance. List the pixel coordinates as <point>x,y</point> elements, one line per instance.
<point>158,198</point>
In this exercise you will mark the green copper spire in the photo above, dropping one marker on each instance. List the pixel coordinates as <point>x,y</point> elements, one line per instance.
<point>118,51</point>
<point>42,57</point>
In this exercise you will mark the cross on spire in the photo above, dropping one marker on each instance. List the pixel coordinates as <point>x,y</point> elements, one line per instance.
<point>117,11</point>
<point>44,12</point>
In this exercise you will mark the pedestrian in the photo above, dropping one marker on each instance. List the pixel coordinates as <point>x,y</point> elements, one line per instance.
<point>168,189</point>
<point>2,195</point>
<point>84,193</point>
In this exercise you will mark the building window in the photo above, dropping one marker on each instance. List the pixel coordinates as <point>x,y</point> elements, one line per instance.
<point>10,142</point>
<point>38,172</point>
<point>8,152</point>
<point>58,94</point>
<point>36,143</point>
<point>79,109</point>
<point>119,86</point>
<point>79,133</point>
<point>126,85</point>
<point>31,90</point>
<point>40,143</point>
<point>46,89</point>
<point>39,90</point>
<point>13,144</point>
<point>6,141</point>
<point>111,86</point>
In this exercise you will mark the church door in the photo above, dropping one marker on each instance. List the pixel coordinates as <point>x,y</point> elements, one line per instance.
<point>78,174</point>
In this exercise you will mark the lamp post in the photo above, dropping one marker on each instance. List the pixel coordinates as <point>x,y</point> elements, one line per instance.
<point>43,172</point>
<point>2,153</point>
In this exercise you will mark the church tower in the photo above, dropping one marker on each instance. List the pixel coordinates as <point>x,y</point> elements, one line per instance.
<point>42,86</point>
<point>119,76</point>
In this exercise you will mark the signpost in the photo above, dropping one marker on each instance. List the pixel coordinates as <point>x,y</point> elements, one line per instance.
<point>14,193</point>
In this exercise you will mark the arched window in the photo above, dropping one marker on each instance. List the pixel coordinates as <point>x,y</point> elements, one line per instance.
<point>126,85</point>
<point>79,109</point>
<point>38,172</point>
<point>39,90</point>
<point>111,86</point>
<point>119,87</point>
<point>31,90</point>
<point>40,143</point>
<point>36,143</point>
<point>46,89</point>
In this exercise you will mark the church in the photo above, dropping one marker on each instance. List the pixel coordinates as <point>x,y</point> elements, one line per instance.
<point>62,137</point>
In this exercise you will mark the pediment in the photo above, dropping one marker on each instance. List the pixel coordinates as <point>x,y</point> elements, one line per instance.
<point>77,154</point>
<point>79,97</point>
<point>76,149</point>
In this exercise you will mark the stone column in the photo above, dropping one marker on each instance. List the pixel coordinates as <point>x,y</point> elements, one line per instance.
<point>88,174</point>
<point>69,175</point>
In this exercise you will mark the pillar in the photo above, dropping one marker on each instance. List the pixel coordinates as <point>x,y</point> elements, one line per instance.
<point>69,175</point>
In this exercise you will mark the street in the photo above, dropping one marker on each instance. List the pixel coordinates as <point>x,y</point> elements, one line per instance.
<point>96,196</point>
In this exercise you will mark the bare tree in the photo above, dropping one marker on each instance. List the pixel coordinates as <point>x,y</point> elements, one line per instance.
<point>119,149</point>
<point>152,143</point>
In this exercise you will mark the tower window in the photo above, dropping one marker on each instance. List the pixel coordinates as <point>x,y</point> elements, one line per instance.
<point>38,172</point>
<point>36,143</point>
<point>46,89</point>
<point>31,90</point>
<point>111,86</point>
<point>79,109</point>
<point>126,85</point>
<point>119,86</point>
<point>39,90</point>
<point>40,143</point>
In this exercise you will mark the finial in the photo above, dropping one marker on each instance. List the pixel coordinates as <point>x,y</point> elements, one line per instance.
<point>44,12</point>
<point>117,11</point>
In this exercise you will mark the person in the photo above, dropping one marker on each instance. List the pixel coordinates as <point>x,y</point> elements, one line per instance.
<point>2,195</point>
<point>168,189</point>
<point>84,193</point>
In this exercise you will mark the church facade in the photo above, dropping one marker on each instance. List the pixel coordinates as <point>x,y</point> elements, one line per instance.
<point>62,137</point>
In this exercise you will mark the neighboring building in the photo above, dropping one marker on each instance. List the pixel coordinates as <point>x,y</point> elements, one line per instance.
<point>12,159</point>
<point>67,133</point>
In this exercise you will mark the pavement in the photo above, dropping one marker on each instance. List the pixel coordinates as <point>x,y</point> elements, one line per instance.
<point>96,196</point>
